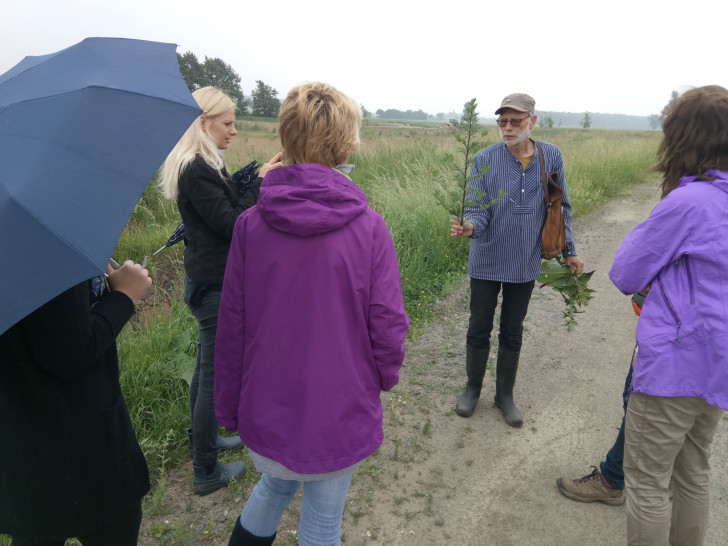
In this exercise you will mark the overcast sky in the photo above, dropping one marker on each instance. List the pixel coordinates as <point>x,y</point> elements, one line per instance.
<point>622,56</point>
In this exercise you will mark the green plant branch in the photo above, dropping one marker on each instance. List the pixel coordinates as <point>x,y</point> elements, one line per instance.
<point>571,287</point>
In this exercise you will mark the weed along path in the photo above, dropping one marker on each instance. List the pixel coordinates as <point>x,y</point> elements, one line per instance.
<point>440,479</point>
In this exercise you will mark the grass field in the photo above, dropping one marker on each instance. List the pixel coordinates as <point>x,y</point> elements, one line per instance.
<point>400,167</point>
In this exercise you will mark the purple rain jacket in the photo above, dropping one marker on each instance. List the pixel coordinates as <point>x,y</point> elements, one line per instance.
<point>312,324</point>
<point>682,250</point>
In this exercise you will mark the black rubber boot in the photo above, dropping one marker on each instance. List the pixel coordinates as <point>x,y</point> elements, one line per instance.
<point>475,362</point>
<point>242,537</point>
<point>506,369</point>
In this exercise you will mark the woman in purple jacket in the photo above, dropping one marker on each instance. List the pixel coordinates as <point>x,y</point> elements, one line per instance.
<point>680,382</point>
<point>311,326</point>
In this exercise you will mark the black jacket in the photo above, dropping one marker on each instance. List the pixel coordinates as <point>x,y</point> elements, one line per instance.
<point>69,461</point>
<point>209,206</point>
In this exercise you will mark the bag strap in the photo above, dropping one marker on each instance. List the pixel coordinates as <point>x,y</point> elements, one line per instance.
<point>543,174</point>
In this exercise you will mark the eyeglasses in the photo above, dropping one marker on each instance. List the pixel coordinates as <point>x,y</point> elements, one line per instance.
<point>515,122</point>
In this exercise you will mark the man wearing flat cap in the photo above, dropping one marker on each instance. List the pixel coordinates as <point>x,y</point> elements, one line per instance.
<point>505,251</point>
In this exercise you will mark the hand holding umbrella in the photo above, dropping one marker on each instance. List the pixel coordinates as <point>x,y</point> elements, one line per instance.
<point>131,279</point>
<point>243,177</point>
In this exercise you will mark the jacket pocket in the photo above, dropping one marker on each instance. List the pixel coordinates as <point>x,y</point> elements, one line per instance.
<point>682,310</point>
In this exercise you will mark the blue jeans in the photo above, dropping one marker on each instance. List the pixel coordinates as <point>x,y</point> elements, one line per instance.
<point>611,468</point>
<point>483,301</point>
<point>204,303</point>
<point>321,509</point>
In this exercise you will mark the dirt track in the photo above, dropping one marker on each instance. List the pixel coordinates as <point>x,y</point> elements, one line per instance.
<point>490,484</point>
<point>441,479</point>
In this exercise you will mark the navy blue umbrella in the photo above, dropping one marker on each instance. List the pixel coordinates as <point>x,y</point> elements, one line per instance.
<point>82,132</point>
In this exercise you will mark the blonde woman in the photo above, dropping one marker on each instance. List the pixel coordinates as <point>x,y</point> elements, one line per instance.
<point>194,175</point>
<point>312,324</point>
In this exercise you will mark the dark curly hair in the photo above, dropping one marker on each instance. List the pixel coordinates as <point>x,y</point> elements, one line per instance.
<point>695,138</point>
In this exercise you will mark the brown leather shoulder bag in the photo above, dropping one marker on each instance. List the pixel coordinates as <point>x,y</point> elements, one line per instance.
<point>553,236</point>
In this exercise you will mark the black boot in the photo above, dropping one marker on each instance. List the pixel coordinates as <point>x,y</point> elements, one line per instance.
<point>506,369</point>
<point>241,537</point>
<point>475,362</point>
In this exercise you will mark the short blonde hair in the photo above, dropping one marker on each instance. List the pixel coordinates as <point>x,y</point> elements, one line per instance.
<point>196,141</point>
<point>318,124</point>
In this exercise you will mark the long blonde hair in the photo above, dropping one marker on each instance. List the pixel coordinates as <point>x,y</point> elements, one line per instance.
<point>196,141</point>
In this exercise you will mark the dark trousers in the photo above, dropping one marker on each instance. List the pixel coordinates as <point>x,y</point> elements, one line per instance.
<point>483,302</point>
<point>612,468</point>
<point>204,303</point>
<point>123,532</point>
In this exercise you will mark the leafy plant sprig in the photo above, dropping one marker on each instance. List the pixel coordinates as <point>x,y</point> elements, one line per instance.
<point>572,287</point>
<point>455,201</point>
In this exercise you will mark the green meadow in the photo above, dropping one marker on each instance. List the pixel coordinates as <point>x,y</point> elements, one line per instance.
<point>400,166</point>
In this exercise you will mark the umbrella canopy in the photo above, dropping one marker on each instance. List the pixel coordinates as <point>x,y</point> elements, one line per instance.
<point>82,132</point>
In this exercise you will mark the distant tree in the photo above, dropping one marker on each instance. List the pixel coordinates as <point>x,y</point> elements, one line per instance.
<point>191,70</point>
<point>549,122</point>
<point>673,99</point>
<point>379,113</point>
<point>264,101</point>
<point>440,116</point>
<point>654,121</point>
<point>213,71</point>
<point>364,112</point>
<point>393,113</point>
<point>586,121</point>
<point>218,73</point>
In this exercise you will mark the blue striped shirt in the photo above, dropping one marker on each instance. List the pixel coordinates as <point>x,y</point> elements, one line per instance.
<point>506,241</point>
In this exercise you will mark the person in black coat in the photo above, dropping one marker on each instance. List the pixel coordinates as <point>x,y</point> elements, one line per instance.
<point>70,463</point>
<point>194,175</point>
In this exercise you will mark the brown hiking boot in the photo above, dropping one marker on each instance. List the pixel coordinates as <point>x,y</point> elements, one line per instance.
<point>590,488</point>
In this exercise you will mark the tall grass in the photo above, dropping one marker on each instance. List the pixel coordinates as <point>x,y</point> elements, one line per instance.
<point>400,181</point>
<point>399,169</point>
<point>602,165</point>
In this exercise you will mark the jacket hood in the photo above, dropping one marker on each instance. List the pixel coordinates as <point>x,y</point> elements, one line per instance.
<point>720,182</point>
<point>309,199</point>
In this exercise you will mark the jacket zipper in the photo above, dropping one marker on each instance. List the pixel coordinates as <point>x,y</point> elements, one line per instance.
<point>667,299</point>
<point>670,307</point>
<point>690,281</point>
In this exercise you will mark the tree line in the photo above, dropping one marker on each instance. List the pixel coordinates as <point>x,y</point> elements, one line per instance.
<point>263,100</point>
